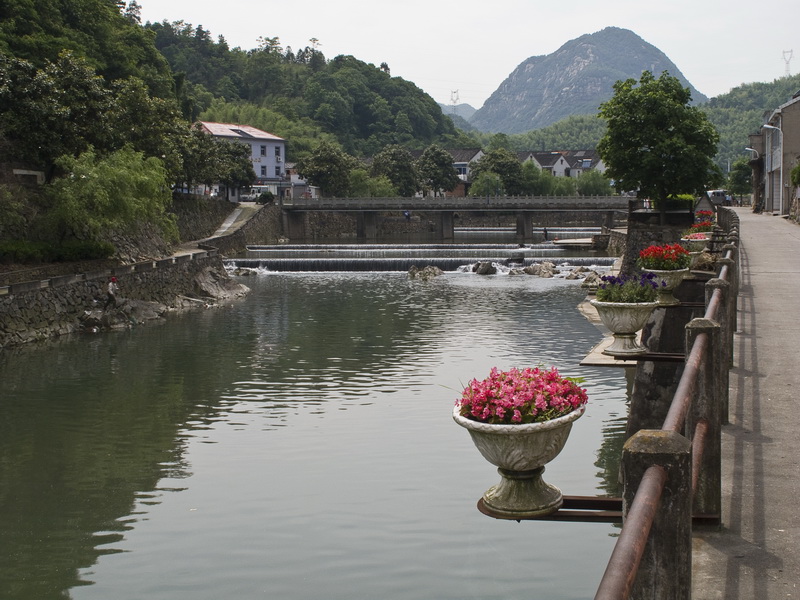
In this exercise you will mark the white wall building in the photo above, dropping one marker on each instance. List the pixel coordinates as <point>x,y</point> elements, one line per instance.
<point>267,152</point>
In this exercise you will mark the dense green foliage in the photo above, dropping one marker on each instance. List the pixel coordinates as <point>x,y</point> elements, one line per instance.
<point>108,193</point>
<point>397,164</point>
<point>436,172</point>
<point>361,106</point>
<point>740,179</point>
<point>656,143</point>
<point>39,31</point>
<point>741,112</point>
<point>25,251</point>
<point>506,165</point>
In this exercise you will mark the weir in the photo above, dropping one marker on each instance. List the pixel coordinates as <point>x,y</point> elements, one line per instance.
<point>600,211</point>
<point>389,257</point>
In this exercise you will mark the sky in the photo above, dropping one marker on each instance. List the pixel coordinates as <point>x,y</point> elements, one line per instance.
<point>460,52</point>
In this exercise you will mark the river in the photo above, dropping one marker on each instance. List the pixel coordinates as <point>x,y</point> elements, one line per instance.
<point>297,444</point>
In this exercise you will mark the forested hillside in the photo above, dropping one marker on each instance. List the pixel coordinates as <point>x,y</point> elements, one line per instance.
<point>300,95</point>
<point>741,111</point>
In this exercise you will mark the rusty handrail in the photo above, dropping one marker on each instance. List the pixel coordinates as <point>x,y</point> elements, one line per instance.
<point>624,562</point>
<point>698,448</point>
<point>681,401</point>
<point>623,566</point>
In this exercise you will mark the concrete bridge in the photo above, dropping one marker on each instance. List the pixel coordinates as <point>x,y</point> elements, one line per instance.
<point>524,207</point>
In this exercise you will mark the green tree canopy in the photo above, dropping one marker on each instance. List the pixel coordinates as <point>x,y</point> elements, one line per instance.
<point>209,160</point>
<point>436,171</point>
<point>329,168</point>
<point>740,177</point>
<point>535,181</point>
<point>506,164</point>
<point>593,183</point>
<point>487,184</point>
<point>364,185</point>
<point>397,164</point>
<point>106,193</point>
<point>656,143</point>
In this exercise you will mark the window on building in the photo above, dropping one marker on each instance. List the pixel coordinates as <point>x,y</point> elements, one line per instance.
<point>277,171</point>
<point>263,150</point>
<point>263,171</point>
<point>277,150</point>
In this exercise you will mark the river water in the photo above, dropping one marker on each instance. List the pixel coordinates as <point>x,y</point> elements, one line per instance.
<point>297,444</point>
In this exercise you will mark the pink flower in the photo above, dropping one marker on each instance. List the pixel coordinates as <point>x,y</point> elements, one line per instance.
<point>521,396</point>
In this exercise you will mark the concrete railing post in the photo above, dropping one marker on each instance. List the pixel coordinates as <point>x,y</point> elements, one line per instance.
<point>665,571</point>
<point>709,408</point>
<point>723,317</point>
<point>733,280</point>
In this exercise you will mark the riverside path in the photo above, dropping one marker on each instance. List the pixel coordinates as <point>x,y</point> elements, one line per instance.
<point>755,555</point>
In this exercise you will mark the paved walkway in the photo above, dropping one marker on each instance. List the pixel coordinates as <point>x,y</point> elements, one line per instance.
<point>756,554</point>
<point>239,216</point>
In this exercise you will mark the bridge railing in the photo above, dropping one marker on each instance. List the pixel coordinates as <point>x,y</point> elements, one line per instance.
<point>674,474</point>
<point>460,203</point>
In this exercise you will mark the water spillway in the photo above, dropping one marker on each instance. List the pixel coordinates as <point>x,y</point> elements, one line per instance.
<point>401,257</point>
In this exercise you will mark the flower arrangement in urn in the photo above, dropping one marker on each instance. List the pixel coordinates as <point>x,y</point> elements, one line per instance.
<point>529,395</point>
<point>624,303</point>
<point>670,263</point>
<point>670,257</point>
<point>519,420</point>
<point>628,288</point>
<point>700,227</point>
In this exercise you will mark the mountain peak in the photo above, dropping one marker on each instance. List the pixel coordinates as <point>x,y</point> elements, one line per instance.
<point>573,80</point>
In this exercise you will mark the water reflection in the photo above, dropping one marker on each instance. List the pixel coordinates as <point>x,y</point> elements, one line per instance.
<point>296,444</point>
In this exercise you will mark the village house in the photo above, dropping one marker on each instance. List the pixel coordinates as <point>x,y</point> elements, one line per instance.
<point>267,153</point>
<point>776,149</point>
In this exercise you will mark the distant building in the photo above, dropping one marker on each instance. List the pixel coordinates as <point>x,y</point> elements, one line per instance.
<point>777,145</point>
<point>462,163</point>
<point>267,153</point>
<point>564,163</point>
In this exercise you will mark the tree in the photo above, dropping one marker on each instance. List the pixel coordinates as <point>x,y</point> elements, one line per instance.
<point>209,160</point>
<point>536,182</point>
<point>397,164</point>
<point>565,186</point>
<point>593,183</point>
<point>740,178</point>
<point>506,164</point>
<point>59,109</point>
<point>655,142</point>
<point>487,184</point>
<point>328,167</point>
<point>436,171</point>
<point>362,185</point>
<point>99,194</point>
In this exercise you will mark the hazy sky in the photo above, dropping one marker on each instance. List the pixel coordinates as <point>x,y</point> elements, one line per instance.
<point>473,46</point>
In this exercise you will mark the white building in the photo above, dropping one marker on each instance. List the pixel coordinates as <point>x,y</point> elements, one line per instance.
<point>267,152</point>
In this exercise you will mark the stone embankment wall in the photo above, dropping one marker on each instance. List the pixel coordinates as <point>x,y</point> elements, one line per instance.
<point>37,310</point>
<point>199,216</point>
<point>264,227</point>
<point>49,306</point>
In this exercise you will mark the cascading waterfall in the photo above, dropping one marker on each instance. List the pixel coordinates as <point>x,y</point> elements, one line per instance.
<point>401,257</point>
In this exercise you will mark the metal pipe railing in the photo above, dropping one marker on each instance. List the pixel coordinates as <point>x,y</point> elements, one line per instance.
<point>623,567</point>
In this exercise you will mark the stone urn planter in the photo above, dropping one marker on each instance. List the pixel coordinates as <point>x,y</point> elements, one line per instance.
<point>624,320</point>
<point>520,452</point>
<point>670,280</point>
<point>695,244</point>
<point>519,420</point>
